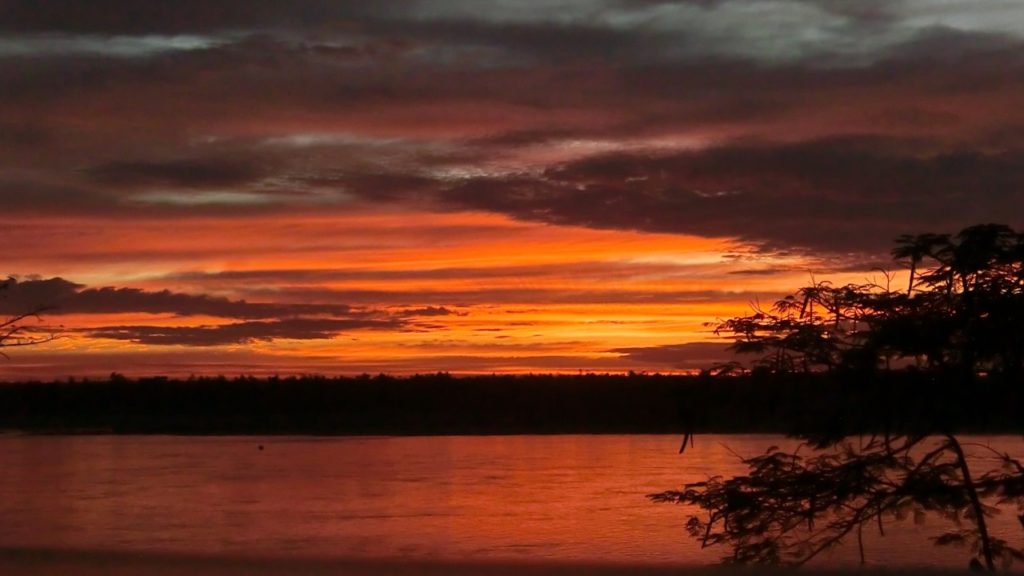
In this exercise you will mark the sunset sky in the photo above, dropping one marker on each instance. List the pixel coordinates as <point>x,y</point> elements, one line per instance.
<point>476,186</point>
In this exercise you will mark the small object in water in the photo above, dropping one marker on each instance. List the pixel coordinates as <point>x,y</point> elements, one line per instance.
<point>260,446</point>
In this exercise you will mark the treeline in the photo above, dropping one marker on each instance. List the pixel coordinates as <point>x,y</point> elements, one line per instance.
<point>537,404</point>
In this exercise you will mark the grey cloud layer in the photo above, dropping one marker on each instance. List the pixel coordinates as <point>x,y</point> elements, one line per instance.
<point>817,124</point>
<point>772,30</point>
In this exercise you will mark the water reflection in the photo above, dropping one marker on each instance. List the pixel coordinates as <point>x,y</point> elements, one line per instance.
<point>537,497</point>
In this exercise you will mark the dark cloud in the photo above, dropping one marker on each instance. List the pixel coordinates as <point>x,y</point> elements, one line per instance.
<point>179,16</point>
<point>58,296</point>
<point>761,271</point>
<point>630,31</point>
<point>30,195</point>
<point>690,356</point>
<point>240,332</point>
<point>172,16</point>
<point>203,173</point>
<point>838,195</point>
<point>431,311</point>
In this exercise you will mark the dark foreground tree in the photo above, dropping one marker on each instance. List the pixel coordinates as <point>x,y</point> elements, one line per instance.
<point>960,321</point>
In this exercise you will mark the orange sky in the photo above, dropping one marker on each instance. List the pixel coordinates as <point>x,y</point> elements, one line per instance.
<point>517,296</point>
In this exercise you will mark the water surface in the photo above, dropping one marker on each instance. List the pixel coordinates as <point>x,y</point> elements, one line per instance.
<point>572,498</point>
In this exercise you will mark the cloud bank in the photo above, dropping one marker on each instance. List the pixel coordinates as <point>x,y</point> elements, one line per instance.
<point>773,122</point>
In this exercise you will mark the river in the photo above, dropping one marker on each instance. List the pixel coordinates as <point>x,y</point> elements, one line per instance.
<point>564,498</point>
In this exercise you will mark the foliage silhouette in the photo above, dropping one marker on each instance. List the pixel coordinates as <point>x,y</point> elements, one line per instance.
<point>961,322</point>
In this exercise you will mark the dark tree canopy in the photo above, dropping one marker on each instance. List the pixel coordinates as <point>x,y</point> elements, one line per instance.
<point>959,319</point>
<point>962,314</point>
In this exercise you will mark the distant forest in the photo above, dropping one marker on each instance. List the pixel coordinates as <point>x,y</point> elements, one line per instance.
<point>905,401</point>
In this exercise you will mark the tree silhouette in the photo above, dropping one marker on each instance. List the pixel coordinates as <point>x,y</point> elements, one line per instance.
<point>15,332</point>
<point>915,248</point>
<point>961,320</point>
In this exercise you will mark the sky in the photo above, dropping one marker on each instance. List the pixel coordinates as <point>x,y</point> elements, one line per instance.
<point>312,186</point>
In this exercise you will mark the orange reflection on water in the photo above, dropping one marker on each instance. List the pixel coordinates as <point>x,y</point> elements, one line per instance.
<point>525,497</point>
